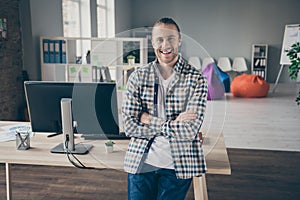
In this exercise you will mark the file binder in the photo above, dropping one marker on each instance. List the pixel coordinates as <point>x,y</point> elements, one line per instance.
<point>46,51</point>
<point>57,57</point>
<point>96,74</point>
<point>51,51</point>
<point>63,51</point>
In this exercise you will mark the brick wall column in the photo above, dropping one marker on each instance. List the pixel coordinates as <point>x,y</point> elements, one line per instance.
<point>11,84</point>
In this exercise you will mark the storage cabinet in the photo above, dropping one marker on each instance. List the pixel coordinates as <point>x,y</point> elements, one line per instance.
<point>72,59</point>
<point>145,33</point>
<point>259,60</point>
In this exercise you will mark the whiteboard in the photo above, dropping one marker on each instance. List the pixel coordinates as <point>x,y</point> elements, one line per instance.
<point>291,36</point>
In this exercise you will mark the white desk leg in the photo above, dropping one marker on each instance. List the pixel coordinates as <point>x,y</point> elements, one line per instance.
<point>8,183</point>
<point>200,189</point>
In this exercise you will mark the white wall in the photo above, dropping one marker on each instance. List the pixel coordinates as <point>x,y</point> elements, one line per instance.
<point>227,27</point>
<point>124,12</point>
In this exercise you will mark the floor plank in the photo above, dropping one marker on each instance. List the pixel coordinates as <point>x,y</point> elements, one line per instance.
<point>258,174</point>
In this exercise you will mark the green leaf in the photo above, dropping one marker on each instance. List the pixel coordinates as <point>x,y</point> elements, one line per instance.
<point>294,67</point>
<point>298,99</point>
<point>109,143</point>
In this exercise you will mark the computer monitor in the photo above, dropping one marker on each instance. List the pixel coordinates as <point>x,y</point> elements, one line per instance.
<point>94,106</point>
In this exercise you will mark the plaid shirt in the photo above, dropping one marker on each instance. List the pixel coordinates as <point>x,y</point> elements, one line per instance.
<point>187,92</point>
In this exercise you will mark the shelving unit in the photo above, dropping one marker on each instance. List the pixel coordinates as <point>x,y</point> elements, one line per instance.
<point>259,60</point>
<point>145,33</point>
<point>65,58</point>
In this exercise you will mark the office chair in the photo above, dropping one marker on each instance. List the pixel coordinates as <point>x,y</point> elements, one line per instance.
<point>239,64</point>
<point>224,64</point>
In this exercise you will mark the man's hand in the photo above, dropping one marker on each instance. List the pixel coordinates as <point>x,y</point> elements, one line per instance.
<point>145,118</point>
<point>186,116</point>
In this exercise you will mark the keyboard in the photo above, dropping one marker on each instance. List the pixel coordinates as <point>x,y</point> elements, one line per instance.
<point>120,136</point>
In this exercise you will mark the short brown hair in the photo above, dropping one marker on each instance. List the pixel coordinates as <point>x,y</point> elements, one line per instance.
<point>167,20</point>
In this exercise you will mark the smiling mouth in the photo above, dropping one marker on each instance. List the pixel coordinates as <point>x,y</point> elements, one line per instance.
<point>166,52</point>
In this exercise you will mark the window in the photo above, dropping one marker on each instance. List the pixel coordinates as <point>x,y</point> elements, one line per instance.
<point>105,18</point>
<point>77,18</point>
<point>77,23</point>
<point>71,18</point>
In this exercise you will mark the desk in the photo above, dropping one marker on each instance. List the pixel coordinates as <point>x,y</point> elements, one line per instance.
<point>39,154</point>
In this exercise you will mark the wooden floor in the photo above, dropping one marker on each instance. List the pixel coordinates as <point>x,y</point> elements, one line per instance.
<point>256,174</point>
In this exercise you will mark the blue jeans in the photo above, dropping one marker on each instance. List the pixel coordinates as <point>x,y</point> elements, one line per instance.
<point>160,184</point>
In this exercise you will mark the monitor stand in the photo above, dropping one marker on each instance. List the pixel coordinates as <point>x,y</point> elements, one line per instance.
<point>68,145</point>
<point>78,149</point>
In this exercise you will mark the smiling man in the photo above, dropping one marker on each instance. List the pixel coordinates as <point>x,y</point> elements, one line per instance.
<point>163,113</point>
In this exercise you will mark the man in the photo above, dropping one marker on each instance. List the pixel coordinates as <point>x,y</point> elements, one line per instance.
<point>163,112</point>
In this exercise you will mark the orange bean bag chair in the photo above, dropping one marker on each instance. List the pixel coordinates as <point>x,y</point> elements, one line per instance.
<point>249,86</point>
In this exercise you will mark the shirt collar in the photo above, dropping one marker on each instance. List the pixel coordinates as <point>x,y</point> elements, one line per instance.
<point>178,65</point>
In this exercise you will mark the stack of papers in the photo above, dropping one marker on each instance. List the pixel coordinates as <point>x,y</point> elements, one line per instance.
<point>8,133</point>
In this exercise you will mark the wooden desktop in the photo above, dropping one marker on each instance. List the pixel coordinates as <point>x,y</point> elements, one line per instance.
<point>39,154</point>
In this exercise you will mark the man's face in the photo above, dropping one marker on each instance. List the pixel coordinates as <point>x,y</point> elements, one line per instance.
<point>165,41</point>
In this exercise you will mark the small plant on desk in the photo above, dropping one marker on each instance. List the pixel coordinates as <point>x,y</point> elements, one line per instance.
<point>109,146</point>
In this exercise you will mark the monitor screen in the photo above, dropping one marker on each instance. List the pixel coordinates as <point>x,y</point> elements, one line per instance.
<point>94,106</point>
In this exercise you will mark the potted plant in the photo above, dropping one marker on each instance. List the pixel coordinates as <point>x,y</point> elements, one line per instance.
<point>294,55</point>
<point>131,59</point>
<point>109,146</point>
